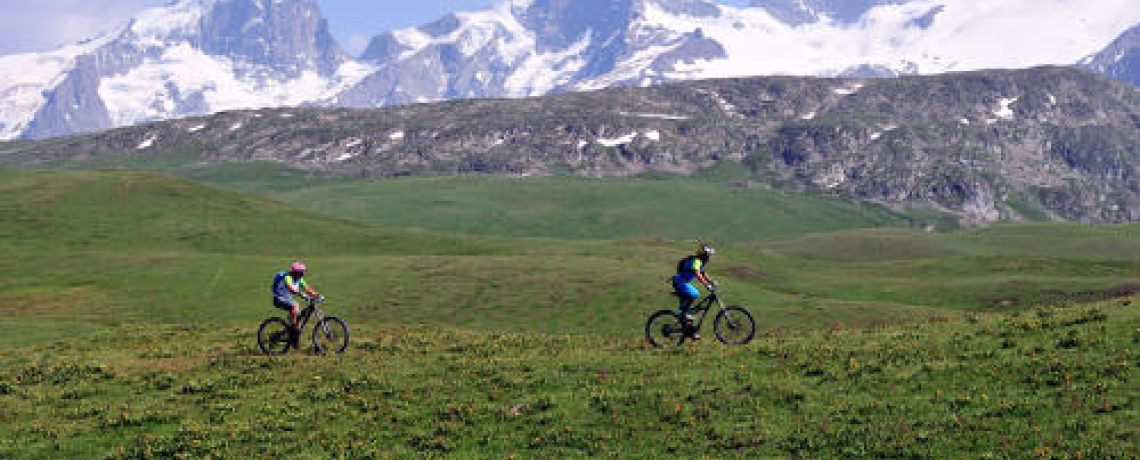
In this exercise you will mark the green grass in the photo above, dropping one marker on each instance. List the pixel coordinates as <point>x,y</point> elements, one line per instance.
<point>723,203</point>
<point>561,207</point>
<point>88,250</point>
<point>129,303</point>
<point>1047,383</point>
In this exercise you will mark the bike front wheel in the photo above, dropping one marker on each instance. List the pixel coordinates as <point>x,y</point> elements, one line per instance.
<point>734,326</point>
<point>273,336</point>
<point>664,329</point>
<point>330,335</point>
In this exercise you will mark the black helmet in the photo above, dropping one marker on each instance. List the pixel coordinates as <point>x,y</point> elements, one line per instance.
<point>705,249</point>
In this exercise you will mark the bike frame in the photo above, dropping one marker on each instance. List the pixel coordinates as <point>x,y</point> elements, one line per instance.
<point>304,315</point>
<point>703,306</point>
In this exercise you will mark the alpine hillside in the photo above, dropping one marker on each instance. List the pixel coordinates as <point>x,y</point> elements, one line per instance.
<point>196,57</point>
<point>1037,144</point>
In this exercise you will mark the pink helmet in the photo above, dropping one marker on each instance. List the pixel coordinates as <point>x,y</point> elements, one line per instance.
<point>298,267</point>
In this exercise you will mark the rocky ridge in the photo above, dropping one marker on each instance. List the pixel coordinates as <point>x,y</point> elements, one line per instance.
<point>1045,143</point>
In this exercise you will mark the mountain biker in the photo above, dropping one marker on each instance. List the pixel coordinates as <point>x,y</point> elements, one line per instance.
<point>688,269</point>
<point>289,283</point>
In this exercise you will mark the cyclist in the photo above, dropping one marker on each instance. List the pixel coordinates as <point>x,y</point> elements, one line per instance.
<point>688,269</point>
<point>289,283</point>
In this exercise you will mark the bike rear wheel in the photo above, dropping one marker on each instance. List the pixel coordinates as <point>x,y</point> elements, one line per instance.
<point>734,326</point>
<point>330,335</point>
<point>273,336</point>
<point>664,329</point>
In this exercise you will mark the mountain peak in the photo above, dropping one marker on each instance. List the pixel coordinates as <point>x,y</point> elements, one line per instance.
<point>1121,59</point>
<point>193,57</point>
<point>199,56</point>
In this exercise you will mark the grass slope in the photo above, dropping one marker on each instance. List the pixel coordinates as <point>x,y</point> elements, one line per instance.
<point>1047,383</point>
<point>719,203</point>
<point>562,207</point>
<point>83,251</point>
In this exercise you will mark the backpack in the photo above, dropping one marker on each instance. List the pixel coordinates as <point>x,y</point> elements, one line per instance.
<point>684,264</point>
<point>277,280</point>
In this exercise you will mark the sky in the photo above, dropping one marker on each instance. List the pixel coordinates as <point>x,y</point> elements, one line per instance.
<point>41,25</point>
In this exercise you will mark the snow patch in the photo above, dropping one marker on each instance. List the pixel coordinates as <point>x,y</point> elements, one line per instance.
<point>196,128</point>
<point>808,116</point>
<point>653,135</point>
<point>848,90</point>
<point>396,135</point>
<point>720,101</point>
<point>968,35</point>
<point>1005,112</point>
<point>148,142</point>
<point>614,142</point>
<point>538,74</point>
<point>236,126</point>
<point>150,91</point>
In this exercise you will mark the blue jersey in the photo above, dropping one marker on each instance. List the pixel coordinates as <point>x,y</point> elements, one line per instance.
<point>281,284</point>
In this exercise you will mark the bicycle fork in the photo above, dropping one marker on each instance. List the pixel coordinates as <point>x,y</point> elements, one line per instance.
<point>324,325</point>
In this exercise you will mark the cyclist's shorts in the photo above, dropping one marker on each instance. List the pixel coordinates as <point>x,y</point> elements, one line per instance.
<point>686,290</point>
<point>284,304</point>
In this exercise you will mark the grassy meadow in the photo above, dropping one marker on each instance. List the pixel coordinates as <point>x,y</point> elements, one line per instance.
<point>130,301</point>
<point>1044,383</point>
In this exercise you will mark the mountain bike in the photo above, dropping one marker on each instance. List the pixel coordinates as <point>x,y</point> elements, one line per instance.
<point>733,325</point>
<point>330,334</point>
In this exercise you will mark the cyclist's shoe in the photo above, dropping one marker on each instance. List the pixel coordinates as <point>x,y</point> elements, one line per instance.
<point>689,328</point>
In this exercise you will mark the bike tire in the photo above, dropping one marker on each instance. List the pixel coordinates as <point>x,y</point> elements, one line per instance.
<point>330,334</point>
<point>273,336</point>
<point>664,329</point>
<point>734,326</point>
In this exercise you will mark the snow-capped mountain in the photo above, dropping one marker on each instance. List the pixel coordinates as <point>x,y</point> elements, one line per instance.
<point>190,57</point>
<point>798,12</point>
<point>202,56</point>
<point>1121,60</point>
<point>533,47</point>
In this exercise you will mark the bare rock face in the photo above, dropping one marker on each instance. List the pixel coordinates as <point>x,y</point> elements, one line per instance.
<point>1049,142</point>
<point>1121,59</point>
<point>287,36</point>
